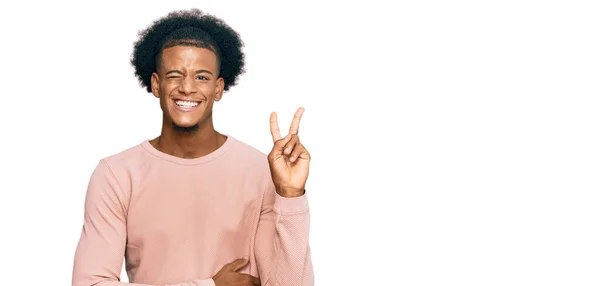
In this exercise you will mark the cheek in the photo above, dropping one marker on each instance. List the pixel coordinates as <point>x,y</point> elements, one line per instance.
<point>208,88</point>
<point>164,99</point>
<point>166,90</point>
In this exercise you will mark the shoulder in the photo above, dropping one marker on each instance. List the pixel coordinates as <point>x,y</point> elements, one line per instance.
<point>248,154</point>
<point>251,160</point>
<point>126,157</point>
<point>110,180</point>
<point>121,164</point>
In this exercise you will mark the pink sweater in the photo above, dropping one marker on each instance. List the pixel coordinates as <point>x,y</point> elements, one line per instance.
<point>179,221</point>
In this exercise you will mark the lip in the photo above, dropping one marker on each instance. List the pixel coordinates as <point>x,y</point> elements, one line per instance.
<point>185,109</point>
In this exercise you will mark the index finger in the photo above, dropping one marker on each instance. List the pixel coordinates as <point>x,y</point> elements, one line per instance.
<point>275,127</point>
<point>296,121</point>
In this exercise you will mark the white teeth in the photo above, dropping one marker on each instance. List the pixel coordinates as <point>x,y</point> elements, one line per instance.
<point>187,104</point>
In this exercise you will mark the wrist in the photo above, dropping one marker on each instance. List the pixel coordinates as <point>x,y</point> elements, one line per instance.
<point>289,192</point>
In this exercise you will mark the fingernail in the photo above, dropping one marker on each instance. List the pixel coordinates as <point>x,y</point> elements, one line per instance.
<point>292,158</point>
<point>288,150</point>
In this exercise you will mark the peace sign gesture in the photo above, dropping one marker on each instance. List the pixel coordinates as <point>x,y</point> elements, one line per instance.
<point>289,159</point>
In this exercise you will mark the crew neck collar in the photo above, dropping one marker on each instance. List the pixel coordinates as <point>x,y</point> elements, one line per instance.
<point>229,142</point>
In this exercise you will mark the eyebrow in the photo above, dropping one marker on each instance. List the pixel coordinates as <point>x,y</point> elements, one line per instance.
<point>204,71</point>
<point>181,73</point>
<point>174,71</point>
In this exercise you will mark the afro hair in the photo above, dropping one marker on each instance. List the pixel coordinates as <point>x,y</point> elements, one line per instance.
<point>189,28</point>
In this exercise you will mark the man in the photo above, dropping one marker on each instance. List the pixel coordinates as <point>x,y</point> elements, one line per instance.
<point>194,206</point>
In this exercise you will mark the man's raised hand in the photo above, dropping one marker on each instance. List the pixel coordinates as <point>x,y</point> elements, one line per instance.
<point>288,160</point>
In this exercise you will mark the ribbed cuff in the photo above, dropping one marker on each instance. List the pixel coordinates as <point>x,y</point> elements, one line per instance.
<point>285,205</point>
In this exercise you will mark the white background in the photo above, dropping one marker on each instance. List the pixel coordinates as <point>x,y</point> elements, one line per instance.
<point>453,142</point>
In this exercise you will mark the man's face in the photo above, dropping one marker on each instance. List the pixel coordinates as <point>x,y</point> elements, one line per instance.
<point>186,83</point>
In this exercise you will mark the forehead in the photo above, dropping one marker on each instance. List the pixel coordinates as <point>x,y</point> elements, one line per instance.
<point>182,57</point>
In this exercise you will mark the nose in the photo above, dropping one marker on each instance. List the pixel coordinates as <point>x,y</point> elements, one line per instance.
<point>187,86</point>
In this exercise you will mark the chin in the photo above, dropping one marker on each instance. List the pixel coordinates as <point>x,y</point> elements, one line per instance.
<point>185,128</point>
<point>186,123</point>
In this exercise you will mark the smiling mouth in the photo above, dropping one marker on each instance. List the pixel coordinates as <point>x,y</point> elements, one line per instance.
<point>186,104</point>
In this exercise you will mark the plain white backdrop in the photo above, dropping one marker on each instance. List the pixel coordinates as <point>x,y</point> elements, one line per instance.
<point>453,142</point>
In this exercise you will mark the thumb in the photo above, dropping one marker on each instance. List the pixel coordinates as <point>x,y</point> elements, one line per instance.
<point>279,144</point>
<point>238,264</point>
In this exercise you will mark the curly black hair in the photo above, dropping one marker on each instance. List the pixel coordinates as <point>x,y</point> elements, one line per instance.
<point>189,28</point>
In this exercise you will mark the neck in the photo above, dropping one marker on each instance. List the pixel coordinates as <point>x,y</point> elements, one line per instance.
<point>188,145</point>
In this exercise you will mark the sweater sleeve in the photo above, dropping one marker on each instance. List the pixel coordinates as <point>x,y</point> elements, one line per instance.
<point>282,241</point>
<point>101,249</point>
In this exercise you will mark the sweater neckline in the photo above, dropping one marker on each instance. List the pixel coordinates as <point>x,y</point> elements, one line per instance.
<point>229,142</point>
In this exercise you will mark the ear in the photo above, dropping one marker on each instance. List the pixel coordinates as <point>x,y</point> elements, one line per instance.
<point>154,84</point>
<point>219,89</point>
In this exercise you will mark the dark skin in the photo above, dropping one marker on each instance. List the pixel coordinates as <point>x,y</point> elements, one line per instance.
<point>187,84</point>
<point>190,74</point>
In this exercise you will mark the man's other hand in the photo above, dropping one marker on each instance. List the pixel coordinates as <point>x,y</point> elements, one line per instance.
<point>228,275</point>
